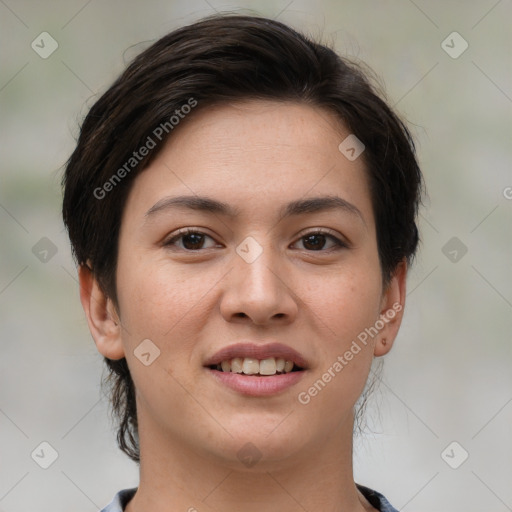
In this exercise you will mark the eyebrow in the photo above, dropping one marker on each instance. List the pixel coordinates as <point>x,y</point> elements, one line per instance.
<point>298,207</point>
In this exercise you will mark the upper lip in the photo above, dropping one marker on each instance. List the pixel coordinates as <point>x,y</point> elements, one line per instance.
<point>257,351</point>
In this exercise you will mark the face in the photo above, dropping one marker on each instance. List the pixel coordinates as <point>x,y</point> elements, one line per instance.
<point>253,235</point>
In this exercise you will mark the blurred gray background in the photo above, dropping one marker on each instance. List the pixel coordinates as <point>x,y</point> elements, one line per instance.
<point>447,387</point>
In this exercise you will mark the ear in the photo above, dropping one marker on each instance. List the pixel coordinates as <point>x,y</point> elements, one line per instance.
<point>392,310</point>
<point>102,317</point>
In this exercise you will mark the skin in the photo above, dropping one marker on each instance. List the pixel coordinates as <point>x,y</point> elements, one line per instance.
<point>255,156</point>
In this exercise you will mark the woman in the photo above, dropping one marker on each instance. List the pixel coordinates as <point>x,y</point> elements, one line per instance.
<point>242,208</point>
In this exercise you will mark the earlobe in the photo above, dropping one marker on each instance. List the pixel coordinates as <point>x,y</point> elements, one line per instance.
<point>392,308</point>
<point>101,315</point>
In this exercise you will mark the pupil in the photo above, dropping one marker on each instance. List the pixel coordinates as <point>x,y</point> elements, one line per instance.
<point>195,240</point>
<point>309,240</point>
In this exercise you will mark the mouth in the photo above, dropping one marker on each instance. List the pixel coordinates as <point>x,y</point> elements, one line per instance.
<point>253,359</point>
<point>257,370</point>
<point>261,368</point>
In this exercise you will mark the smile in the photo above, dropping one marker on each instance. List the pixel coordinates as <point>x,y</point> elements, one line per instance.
<point>252,366</point>
<point>257,385</point>
<point>256,369</point>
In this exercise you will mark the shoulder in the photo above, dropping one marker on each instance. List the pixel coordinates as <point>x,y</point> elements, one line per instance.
<point>376,499</point>
<point>120,500</point>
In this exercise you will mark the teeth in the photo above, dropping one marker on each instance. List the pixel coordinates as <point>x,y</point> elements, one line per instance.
<point>236,365</point>
<point>268,366</point>
<point>251,366</point>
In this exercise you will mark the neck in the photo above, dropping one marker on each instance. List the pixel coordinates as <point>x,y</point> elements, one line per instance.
<point>174,476</point>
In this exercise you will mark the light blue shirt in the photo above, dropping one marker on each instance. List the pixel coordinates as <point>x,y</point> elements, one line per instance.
<point>376,499</point>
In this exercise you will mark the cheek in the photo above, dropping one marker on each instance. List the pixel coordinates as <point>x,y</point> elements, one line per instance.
<point>156,297</point>
<point>167,306</point>
<point>349,307</point>
<point>346,303</point>
<point>343,306</point>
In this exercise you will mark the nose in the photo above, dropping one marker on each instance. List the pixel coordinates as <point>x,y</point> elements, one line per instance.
<point>259,292</point>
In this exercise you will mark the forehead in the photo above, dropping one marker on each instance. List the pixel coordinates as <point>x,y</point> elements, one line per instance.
<point>254,154</point>
<point>259,128</point>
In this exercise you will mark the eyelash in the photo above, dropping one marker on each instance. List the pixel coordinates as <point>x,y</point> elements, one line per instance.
<point>339,244</point>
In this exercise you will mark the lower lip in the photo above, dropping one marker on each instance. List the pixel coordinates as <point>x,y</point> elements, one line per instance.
<point>253,385</point>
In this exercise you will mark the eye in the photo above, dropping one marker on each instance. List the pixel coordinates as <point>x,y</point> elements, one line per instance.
<point>191,240</point>
<point>317,240</point>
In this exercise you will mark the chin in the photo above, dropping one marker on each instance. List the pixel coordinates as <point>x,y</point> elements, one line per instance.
<point>261,445</point>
